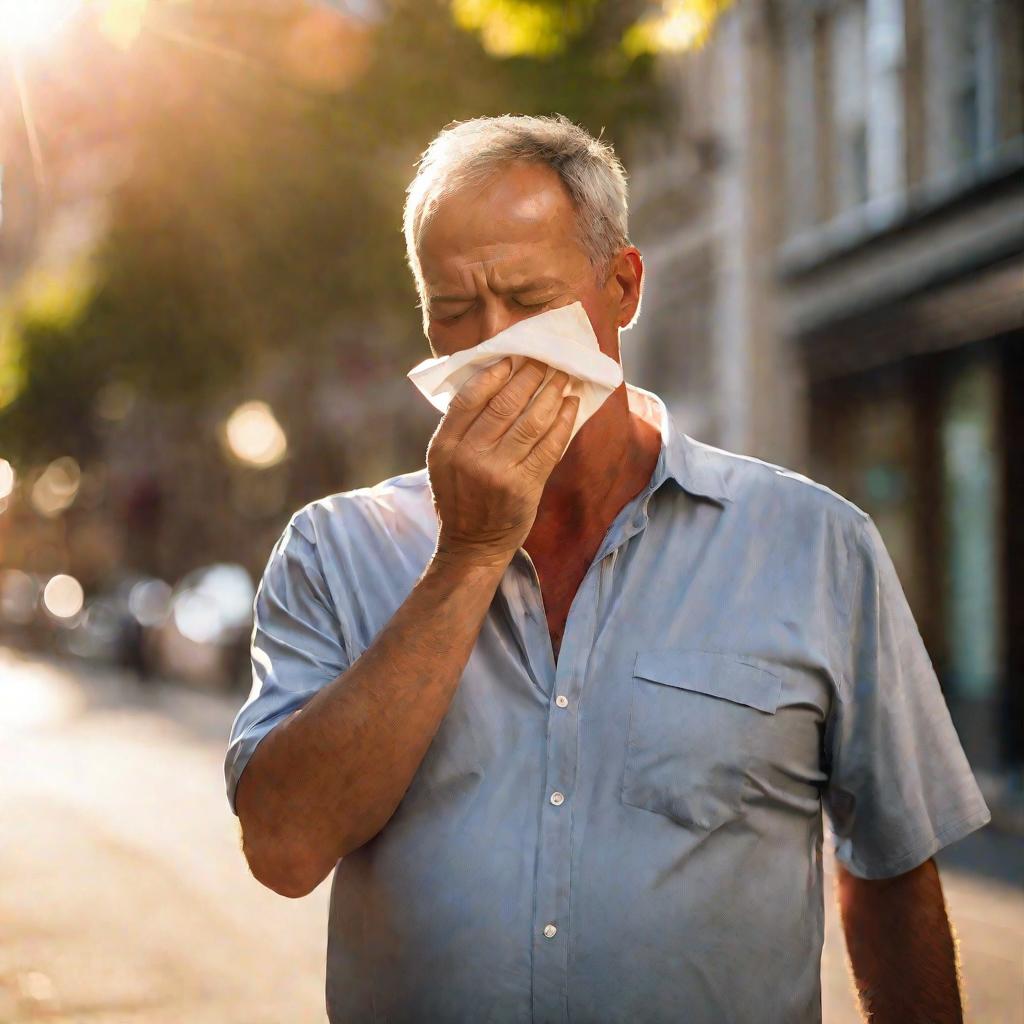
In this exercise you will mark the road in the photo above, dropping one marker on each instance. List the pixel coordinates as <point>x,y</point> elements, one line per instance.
<point>125,899</point>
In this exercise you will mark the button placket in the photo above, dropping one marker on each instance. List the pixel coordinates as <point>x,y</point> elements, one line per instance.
<point>554,853</point>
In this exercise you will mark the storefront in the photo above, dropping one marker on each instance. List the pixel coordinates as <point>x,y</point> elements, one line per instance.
<point>932,446</point>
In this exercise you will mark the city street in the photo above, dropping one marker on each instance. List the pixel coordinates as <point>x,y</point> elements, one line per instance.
<point>124,896</point>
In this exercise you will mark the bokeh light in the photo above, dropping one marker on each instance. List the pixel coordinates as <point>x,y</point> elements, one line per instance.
<point>327,51</point>
<point>254,436</point>
<point>121,21</point>
<point>150,602</point>
<point>196,616</point>
<point>213,602</point>
<point>57,487</point>
<point>6,479</point>
<point>63,596</point>
<point>114,401</point>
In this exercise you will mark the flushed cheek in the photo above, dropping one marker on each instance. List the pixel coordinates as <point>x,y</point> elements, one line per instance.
<point>602,319</point>
<point>447,339</point>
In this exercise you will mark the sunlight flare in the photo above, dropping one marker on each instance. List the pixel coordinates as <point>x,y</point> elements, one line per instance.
<point>27,24</point>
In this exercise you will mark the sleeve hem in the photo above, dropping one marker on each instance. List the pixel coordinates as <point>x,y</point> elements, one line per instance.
<point>916,856</point>
<point>239,756</point>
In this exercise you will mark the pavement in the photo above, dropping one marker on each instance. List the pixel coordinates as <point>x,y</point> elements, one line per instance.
<point>125,898</point>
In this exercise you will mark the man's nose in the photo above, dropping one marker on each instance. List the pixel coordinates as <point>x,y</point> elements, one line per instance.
<point>496,318</point>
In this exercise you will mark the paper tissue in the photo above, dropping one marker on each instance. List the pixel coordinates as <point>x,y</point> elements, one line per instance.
<point>561,338</point>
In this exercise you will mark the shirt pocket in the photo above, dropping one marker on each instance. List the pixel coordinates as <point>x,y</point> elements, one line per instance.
<point>693,727</point>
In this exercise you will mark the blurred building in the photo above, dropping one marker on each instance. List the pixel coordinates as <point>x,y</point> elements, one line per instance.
<point>834,234</point>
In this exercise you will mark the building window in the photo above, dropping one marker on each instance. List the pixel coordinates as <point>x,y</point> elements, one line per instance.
<point>966,59</point>
<point>849,108</point>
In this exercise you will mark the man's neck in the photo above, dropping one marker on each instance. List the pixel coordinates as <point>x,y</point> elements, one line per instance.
<point>608,462</point>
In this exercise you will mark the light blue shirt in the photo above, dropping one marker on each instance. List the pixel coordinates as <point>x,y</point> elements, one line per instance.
<point>633,834</point>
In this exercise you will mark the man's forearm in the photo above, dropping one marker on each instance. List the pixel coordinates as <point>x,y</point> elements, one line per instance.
<point>901,947</point>
<point>327,779</point>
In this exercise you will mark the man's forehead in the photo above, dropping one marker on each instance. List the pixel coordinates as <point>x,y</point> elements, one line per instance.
<point>518,191</point>
<point>503,272</point>
<point>513,206</point>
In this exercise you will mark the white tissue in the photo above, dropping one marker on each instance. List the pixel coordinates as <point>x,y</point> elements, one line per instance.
<point>561,338</point>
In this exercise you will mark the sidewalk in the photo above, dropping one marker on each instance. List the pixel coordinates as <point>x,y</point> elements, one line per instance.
<point>125,898</point>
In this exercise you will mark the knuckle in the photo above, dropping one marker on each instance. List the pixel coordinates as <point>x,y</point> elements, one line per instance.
<point>525,429</point>
<point>464,399</point>
<point>533,375</point>
<point>537,461</point>
<point>503,404</point>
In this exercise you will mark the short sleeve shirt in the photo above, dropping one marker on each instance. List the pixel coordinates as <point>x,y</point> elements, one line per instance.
<point>631,832</point>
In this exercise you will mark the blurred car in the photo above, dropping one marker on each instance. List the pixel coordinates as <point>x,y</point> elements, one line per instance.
<point>113,624</point>
<point>204,638</point>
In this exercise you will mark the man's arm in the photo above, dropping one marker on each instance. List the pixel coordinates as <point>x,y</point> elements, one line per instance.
<point>326,780</point>
<point>901,947</point>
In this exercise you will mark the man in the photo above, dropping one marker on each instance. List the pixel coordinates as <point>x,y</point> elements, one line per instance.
<point>561,718</point>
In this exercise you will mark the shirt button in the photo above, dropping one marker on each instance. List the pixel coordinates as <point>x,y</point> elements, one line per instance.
<point>549,931</point>
<point>557,798</point>
<point>562,701</point>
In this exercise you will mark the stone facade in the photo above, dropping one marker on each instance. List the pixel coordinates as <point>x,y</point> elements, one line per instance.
<point>835,246</point>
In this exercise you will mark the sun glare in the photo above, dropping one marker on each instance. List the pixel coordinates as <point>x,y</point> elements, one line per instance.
<point>26,24</point>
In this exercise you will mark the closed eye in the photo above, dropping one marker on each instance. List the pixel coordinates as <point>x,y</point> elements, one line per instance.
<point>452,317</point>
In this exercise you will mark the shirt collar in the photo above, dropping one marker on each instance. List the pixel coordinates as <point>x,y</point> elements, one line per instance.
<point>687,461</point>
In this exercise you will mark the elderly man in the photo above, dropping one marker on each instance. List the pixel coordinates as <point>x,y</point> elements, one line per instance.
<point>561,717</point>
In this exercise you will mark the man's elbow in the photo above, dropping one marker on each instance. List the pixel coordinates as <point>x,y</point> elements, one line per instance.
<point>283,866</point>
<point>292,887</point>
<point>280,871</point>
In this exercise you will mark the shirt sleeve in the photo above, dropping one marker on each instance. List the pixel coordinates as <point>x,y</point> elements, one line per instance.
<point>900,787</point>
<point>297,645</point>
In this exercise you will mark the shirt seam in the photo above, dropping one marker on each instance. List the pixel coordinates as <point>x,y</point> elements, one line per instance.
<point>845,685</point>
<point>320,588</point>
<point>935,841</point>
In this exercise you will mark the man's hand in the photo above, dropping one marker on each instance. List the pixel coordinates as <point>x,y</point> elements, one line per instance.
<point>489,459</point>
<point>900,946</point>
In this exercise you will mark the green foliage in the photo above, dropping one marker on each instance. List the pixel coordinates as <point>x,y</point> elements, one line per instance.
<point>534,28</point>
<point>544,28</point>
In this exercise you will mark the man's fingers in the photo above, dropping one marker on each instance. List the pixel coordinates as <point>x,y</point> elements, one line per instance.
<point>473,395</point>
<point>544,455</point>
<point>502,409</point>
<point>533,423</point>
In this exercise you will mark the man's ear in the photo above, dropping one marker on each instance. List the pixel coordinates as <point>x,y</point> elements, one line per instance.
<point>628,275</point>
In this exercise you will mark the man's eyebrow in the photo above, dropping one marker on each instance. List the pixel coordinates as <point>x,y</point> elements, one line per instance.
<point>522,285</point>
<point>527,285</point>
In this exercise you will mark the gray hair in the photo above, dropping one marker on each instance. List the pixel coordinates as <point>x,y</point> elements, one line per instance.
<point>471,151</point>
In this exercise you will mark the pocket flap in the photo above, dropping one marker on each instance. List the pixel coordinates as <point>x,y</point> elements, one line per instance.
<point>714,673</point>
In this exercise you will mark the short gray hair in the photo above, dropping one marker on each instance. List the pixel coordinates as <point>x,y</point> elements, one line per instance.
<point>471,151</point>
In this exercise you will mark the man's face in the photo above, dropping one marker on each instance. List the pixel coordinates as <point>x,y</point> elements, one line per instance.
<point>497,254</point>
